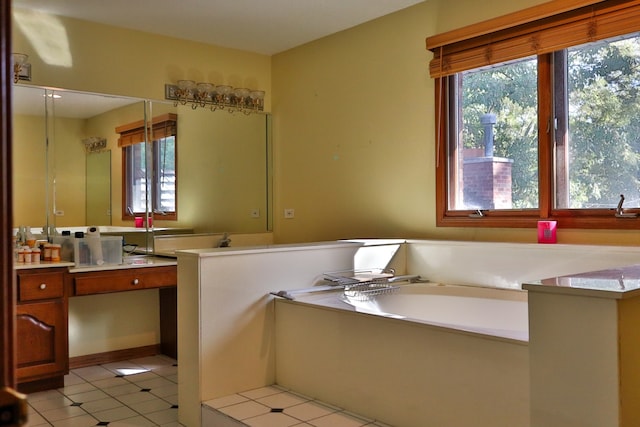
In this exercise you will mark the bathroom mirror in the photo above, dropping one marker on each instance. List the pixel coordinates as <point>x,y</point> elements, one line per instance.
<point>98,186</point>
<point>56,171</point>
<point>224,163</point>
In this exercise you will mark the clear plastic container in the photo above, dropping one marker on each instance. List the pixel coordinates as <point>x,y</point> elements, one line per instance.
<point>96,251</point>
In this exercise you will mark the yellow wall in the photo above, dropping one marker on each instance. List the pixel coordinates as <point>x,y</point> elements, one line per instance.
<point>99,58</point>
<point>30,173</point>
<point>354,132</point>
<point>29,177</point>
<point>222,166</point>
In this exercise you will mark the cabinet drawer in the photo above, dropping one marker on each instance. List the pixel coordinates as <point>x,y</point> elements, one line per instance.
<point>124,280</point>
<point>40,286</point>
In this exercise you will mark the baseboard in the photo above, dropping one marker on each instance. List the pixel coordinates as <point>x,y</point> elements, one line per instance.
<point>113,356</point>
<point>41,385</point>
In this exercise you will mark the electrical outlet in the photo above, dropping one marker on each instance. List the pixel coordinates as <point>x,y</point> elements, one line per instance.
<point>254,213</point>
<point>289,213</point>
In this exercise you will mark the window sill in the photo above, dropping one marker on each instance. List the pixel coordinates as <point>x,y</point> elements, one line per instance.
<point>605,220</point>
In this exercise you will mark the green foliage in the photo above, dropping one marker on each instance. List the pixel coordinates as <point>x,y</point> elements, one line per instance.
<point>604,122</point>
<point>604,100</point>
<point>510,92</point>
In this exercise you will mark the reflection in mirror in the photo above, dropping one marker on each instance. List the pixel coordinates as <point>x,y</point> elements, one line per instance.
<point>98,187</point>
<point>51,166</point>
<point>223,181</point>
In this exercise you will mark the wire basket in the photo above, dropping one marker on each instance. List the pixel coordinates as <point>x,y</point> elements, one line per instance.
<point>362,285</point>
<point>366,291</point>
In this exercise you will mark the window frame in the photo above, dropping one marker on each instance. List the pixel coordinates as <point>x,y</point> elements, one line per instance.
<point>446,116</point>
<point>136,133</point>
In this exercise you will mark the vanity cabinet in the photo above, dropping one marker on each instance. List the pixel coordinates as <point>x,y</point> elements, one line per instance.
<point>41,323</point>
<point>42,314</point>
<point>163,278</point>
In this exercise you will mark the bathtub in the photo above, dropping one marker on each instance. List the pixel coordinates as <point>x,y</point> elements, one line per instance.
<point>490,311</point>
<point>411,358</point>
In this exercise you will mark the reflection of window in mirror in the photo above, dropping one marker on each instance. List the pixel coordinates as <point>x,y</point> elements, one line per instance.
<point>163,186</point>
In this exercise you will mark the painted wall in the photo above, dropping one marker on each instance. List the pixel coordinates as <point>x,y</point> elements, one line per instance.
<point>73,54</point>
<point>354,132</point>
<point>29,178</point>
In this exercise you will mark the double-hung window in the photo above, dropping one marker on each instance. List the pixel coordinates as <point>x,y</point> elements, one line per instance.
<point>540,120</point>
<point>149,177</point>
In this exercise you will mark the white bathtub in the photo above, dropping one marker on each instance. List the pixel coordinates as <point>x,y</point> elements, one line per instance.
<point>411,358</point>
<point>497,312</point>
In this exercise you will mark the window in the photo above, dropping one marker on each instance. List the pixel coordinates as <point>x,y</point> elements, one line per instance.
<point>598,148</point>
<point>160,193</point>
<point>495,165</point>
<point>540,120</point>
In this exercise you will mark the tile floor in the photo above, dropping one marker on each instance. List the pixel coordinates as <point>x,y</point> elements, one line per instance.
<point>274,406</point>
<point>138,392</point>
<point>144,392</point>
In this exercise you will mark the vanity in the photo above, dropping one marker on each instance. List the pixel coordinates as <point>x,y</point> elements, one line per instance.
<point>42,312</point>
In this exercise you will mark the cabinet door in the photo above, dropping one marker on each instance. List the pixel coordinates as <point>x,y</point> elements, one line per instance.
<point>41,340</point>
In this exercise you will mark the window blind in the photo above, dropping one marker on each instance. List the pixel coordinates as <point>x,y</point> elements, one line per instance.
<point>542,29</point>
<point>134,133</point>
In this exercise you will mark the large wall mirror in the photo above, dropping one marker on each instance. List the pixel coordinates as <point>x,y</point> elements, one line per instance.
<point>68,163</point>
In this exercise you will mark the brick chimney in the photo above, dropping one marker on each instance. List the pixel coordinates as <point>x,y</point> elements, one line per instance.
<point>487,179</point>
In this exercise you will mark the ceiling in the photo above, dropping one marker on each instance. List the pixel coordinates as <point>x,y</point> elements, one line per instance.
<point>30,100</point>
<point>262,26</point>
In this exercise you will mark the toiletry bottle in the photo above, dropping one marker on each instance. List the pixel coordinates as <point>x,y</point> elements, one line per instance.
<point>35,255</point>
<point>27,255</point>
<point>21,254</point>
<point>30,239</point>
<point>55,252</point>
<point>21,234</point>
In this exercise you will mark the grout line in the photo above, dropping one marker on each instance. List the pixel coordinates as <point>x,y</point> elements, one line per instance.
<point>115,374</point>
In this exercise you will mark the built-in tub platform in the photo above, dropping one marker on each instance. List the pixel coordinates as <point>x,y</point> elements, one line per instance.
<point>402,371</point>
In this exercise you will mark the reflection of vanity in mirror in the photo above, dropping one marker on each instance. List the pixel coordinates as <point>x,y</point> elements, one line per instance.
<point>68,166</point>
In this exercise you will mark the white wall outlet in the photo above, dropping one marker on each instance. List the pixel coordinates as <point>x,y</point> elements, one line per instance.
<point>289,213</point>
<point>254,213</point>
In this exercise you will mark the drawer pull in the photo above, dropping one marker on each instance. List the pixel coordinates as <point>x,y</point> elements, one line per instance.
<point>135,282</point>
<point>43,286</point>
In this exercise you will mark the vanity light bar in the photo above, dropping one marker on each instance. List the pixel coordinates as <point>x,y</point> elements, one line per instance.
<point>220,97</point>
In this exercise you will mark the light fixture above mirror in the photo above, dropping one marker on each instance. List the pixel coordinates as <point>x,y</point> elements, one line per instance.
<point>21,68</point>
<point>220,97</point>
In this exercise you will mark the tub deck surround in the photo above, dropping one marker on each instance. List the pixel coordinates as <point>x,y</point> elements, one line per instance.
<point>167,245</point>
<point>584,349</point>
<point>509,264</point>
<point>226,326</point>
